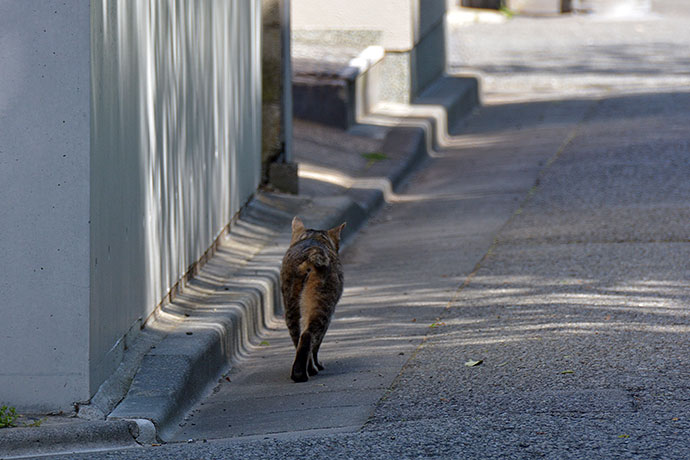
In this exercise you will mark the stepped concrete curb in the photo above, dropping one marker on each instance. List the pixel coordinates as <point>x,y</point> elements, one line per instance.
<point>79,436</point>
<point>458,96</point>
<point>333,97</point>
<point>188,363</point>
<point>412,142</point>
<point>342,97</point>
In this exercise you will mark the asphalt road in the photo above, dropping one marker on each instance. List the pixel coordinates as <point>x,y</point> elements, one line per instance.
<point>548,245</point>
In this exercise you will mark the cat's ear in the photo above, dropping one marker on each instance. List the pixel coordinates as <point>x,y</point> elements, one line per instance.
<point>297,228</point>
<point>334,233</point>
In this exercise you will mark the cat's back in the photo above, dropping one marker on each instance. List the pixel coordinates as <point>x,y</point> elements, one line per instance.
<point>313,255</point>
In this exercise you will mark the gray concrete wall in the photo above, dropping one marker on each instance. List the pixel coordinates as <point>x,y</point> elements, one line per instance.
<point>44,210</point>
<point>129,137</point>
<point>176,117</point>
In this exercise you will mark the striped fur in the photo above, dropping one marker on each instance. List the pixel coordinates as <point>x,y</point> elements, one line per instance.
<point>311,279</point>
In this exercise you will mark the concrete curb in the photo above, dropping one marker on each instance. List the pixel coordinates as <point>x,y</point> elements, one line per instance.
<point>79,436</point>
<point>189,362</point>
<point>331,96</point>
<point>458,96</point>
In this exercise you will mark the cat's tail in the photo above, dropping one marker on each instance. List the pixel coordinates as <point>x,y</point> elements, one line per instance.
<point>313,259</point>
<point>317,258</point>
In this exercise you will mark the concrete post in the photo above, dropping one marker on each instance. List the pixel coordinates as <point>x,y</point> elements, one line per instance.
<point>44,210</point>
<point>277,168</point>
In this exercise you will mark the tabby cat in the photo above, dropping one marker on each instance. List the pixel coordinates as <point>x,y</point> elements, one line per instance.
<point>311,279</point>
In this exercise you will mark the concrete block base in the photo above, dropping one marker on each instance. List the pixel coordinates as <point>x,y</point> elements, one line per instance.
<point>457,95</point>
<point>488,4</point>
<point>539,7</point>
<point>283,177</point>
<point>324,99</point>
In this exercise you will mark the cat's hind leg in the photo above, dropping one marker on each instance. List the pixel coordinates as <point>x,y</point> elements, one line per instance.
<point>315,353</point>
<point>311,369</point>
<point>302,358</point>
<point>292,319</point>
<point>318,325</point>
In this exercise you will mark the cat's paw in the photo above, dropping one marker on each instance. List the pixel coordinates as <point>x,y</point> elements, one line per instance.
<point>299,377</point>
<point>312,371</point>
